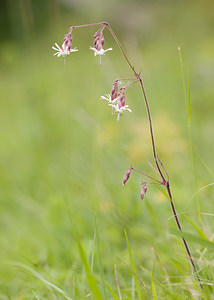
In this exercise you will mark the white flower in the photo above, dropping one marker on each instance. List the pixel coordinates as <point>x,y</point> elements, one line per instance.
<point>63,51</point>
<point>107,97</point>
<point>120,110</point>
<point>99,52</point>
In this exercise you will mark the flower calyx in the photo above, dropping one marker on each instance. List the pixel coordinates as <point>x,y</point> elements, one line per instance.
<point>66,49</point>
<point>98,43</point>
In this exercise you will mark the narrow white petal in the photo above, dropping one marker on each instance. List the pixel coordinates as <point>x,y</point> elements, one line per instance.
<point>107,50</point>
<point>57,46</point>
<point>74,50</point>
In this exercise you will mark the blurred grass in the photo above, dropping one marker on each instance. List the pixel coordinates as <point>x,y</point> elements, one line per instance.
<point>63,156</point>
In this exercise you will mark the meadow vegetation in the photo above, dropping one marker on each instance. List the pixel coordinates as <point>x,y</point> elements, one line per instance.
<point>66,220</point>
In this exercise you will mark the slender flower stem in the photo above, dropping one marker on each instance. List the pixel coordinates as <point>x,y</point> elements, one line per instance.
<point>156,158</point>
<point>146,175</point>
<point>125,86</point>
<point>123,79</point>
<point>184,241</point>
<point>119,45</point>
<point>165,182</point>
<point>151,129</point>
<point>87,25</point>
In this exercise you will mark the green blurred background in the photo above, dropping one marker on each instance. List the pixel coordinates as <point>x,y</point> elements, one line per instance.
<point>63,155</point>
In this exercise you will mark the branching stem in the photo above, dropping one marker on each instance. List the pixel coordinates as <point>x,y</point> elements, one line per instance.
<point>164,181</point>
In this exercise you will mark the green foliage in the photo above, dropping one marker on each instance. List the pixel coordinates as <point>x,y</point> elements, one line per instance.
<point>62,158</point>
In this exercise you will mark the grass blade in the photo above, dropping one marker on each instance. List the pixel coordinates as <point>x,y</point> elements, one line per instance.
<point>187,97</point>
<point>90,276</point>
<point>153,284</point>
<point>100,263</point>
<point>193,238</point>
<point>133,266</point>
<point>111,291</point>
<point>117,282</point>
<point>37,275</point>
<point>202,235</point>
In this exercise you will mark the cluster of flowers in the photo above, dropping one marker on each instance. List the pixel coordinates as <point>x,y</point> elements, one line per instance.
<point>116,99</point>
<point>66,49</point>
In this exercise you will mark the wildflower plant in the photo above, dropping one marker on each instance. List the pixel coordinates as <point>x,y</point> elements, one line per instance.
<point>117,101</point>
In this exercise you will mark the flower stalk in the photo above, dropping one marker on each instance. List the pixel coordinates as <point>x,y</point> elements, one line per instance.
<point>165,182</point>
<point>116,99</point>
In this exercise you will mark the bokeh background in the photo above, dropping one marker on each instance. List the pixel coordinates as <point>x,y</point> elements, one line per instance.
<point>63,155</point>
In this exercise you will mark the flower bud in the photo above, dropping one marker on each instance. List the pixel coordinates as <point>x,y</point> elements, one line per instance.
<point>114,91</point>
<point>126,176</point>
<point>143,190</point>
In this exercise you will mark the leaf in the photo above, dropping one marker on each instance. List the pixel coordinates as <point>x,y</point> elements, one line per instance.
<point>202,235</point>
<point>193,238</point>
<point>152,283</point>
<point>90,276</point>
<point>133,265</point>
<point>111,291</point>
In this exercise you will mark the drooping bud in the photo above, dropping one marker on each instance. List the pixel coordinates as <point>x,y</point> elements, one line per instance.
<point>121,100</point>
<point>143,190</point>
<point>126,176</point>
<point>114,91</point>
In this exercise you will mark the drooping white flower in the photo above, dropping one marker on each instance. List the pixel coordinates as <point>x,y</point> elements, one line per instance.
<point>107,97</point>
<point>120,110</point>
<point>99,52</point>
<point>64,51</point>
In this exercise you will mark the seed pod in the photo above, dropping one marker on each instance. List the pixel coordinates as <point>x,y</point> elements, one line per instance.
<point>126,176</point>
